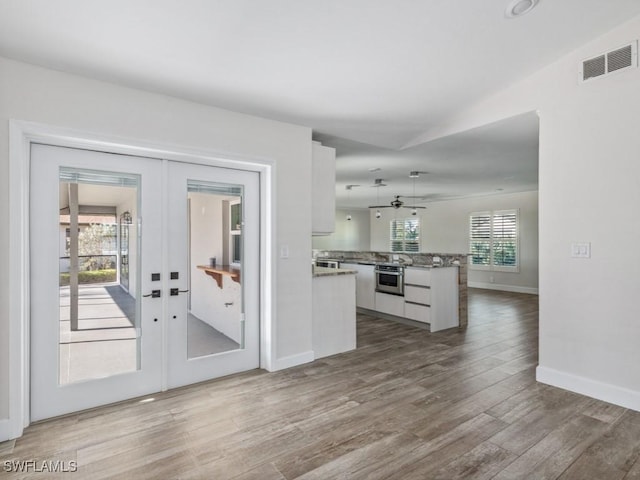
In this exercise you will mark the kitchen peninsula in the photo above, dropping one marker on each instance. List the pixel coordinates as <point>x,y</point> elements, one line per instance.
<point>334,311</point>
<point>432,287</point>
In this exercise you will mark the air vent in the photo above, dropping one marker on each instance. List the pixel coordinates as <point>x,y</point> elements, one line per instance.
<point>619,59</point>
<point>613,61</point>
<point>594,67</point>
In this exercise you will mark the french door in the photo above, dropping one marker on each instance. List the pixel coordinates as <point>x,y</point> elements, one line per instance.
<point>144,275</point>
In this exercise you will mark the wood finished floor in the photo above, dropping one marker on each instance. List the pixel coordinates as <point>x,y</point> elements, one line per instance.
<point>405,405</point>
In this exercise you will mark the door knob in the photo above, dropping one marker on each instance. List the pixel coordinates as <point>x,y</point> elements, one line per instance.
<point>153,294</point>
<point>176,291</point>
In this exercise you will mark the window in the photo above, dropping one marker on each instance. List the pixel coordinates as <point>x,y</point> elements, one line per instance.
<point>493,240</point>
<point>405,235</point>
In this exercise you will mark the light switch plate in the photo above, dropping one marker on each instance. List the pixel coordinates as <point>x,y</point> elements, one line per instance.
<point>284,251</point>
<point>581,250</point>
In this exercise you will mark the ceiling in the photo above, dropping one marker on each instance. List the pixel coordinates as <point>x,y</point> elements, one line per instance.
<point>378,72</point>
<point>494,159</point>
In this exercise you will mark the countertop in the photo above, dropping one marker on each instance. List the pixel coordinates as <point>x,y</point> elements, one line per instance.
<point>326,272</point>
<point>403,264</point>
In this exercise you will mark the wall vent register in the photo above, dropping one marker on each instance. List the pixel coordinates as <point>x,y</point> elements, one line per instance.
<point>613,61</point>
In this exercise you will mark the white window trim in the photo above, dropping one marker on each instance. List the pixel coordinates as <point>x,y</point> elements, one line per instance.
<point>491,267</point>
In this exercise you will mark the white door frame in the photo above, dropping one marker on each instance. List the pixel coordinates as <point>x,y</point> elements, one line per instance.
<point>21,135</point>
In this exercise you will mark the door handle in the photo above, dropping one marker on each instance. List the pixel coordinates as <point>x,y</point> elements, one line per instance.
<point>176,291</point>
<point>154,294</point>
<point>228,304</point>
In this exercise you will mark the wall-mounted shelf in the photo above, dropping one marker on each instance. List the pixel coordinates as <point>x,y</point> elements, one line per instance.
<point>218,272</point>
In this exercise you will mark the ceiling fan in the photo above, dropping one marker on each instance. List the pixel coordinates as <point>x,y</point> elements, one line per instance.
<point>397,203</point>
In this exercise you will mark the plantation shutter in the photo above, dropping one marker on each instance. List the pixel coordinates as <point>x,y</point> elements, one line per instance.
<point>505,238</point>
<point>480,238</point>
<point>404,235</point>
<point>493,240</point>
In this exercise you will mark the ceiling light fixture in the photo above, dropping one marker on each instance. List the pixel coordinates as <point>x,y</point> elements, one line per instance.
<point>518,8</point>
<point>349,188</point>
<point>414,175</point>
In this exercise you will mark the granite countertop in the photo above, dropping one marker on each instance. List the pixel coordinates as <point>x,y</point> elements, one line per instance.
<point>326,272</point>
<point>403,264</point>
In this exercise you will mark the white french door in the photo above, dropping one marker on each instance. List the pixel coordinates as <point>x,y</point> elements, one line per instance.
<point>98,219</point>
<point>203,224</point>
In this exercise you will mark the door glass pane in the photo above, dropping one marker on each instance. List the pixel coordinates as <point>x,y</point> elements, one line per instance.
<point>99,260</point>
<point>215,299</point>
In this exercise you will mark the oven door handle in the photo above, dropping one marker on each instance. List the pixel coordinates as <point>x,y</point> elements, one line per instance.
<point>395,274</point>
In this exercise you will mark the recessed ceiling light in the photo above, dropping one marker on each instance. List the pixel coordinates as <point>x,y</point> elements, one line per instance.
<point>517,8</point>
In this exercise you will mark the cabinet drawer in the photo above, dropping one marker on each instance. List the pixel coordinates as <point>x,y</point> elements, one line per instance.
<point>419,313</point>
<point>390,304</point>
<point>418,276</point>
<point>417,294</point>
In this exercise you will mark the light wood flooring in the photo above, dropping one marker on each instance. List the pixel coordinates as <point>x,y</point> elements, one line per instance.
<point>406,404</point>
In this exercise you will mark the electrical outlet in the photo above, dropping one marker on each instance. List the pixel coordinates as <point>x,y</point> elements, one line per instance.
<point>581,250</point>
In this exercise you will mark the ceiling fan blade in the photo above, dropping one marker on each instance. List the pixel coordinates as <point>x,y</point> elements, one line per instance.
<point>379,206</point>
<point>412,206</point>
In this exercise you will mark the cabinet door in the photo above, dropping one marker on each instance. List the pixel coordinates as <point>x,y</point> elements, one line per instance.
<point>390,304</point>
<point>365,287</point>
<point>323,190</point>
<point>419,313</point>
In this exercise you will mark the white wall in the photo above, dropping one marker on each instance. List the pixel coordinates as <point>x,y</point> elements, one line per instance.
<point>40,95</point>
<point>350,235</point>
<point>589,189</point>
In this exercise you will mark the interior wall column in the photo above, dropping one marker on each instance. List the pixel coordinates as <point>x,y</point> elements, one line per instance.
<point>73,255</point>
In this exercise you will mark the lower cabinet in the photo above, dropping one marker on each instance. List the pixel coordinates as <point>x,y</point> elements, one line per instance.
<point>417,312</point>
<point>390,304</point>
<point>431,296</point>
<point>365,285</point>
<point>333,314</point>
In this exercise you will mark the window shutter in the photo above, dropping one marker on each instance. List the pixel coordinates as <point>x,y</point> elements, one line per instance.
<point>493,240</point>
<point>505,238</point>
<point>404,235</point>
<point>480,238</point>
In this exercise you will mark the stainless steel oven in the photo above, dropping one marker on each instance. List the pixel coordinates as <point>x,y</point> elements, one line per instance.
<point>390,278</point>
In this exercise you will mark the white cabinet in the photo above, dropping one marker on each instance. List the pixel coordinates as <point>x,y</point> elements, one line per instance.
<point>390,304</point>
<point>323,189</point>
<point>431,296</point>
<point>365,285</point>
<point>333,314</point>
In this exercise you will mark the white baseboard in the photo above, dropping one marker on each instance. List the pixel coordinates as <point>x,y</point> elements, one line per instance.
<point>592,388</point>
<point>503,288</point>
<point>292,361</point>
